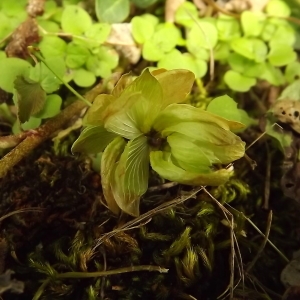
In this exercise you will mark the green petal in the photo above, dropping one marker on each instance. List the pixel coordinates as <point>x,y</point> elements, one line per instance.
<point>170,82</point>
<point>203,132</point>
<point>187,154</point>
<point>93,139</point>
<point>125,123</point>
<point>176,113</point>
<point>130,180</point>
<point>109,159</point>
<point>215,143</point>
<point>94,115</point>
<point>149,87</point>
<point>162,164</point>
<point>123,82</point>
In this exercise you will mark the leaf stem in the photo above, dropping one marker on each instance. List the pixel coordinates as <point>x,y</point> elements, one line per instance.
<point>149,268</point>
<point>61,79</point>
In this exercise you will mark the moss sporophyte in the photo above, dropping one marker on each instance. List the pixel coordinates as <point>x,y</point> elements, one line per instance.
<point>143,122</point>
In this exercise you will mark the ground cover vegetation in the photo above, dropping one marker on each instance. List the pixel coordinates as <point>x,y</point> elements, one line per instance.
<point>149,149</point>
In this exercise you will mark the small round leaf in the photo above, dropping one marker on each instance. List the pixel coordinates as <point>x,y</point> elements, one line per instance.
<point>84,78</point>
<point>238,82</point>
<point>109,11</point>
<point>75,20</point>
<point>281,55</point>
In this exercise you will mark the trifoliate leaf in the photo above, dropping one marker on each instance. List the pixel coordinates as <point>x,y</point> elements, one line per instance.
<point>252,23</point>
<point>284,34</point>
<point>252,48</point>
<point>226,107</point>
<point>245,66</point>
<point>50,26</point>
<point>164,39</point>
<point>228,28</point>
<point>97,34</point>
<point>32,123</point>
<point>291,92</point>
<point>76,55</point>
<point>268,31</point>
<point>42,73</point>
<point>238,82</point>
<point>281,55</point>
<point>186,13</point>
<point>131,176</point>
<point>103,62</point>
<point>203,34</point>
<point>52,46</point>
<point>12,67</point>
<point>30,97</point>
<point>272,74</point>
<point>177,60</point>
<point>75,20</point>
<point>292,71</point>
<point>222,51</point>
<point>110,157</point>
<point>283,138</point>
<point>143,3</point>
<point>108,11</point>
<point>93,139</point>
<point>15,8</point>
<point>51,107</point>
<point>142,29</point>
<point>84,78</point>
<point>163,165</point>
<point>277,8</point>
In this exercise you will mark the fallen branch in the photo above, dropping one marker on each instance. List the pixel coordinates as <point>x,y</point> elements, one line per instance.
<point>45,132</point>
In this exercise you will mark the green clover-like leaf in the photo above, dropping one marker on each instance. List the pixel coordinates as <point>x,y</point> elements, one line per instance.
<point>226,107</point>
<point>238,82</point>
<point>75,20</point>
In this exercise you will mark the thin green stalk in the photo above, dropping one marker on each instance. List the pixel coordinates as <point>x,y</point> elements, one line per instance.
<point>148,268</point>
<point>98,274</point>
<point>61,79</point>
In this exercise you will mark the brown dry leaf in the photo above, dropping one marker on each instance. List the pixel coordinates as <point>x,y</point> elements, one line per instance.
<point>121,38</point>
<point>200,4</point>
<point>242,5</point>
<point>171,7</point>
<point>25,35</point>
<point>35,7</point>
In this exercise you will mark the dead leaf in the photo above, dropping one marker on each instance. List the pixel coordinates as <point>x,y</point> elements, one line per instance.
<point>121,38</point>
<point>171,7</point>
<point>25,35</point>
<point>35,7</point>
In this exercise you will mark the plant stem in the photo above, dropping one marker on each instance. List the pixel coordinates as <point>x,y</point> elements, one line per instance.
<point>112,272</point>
<point>61,79</point>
